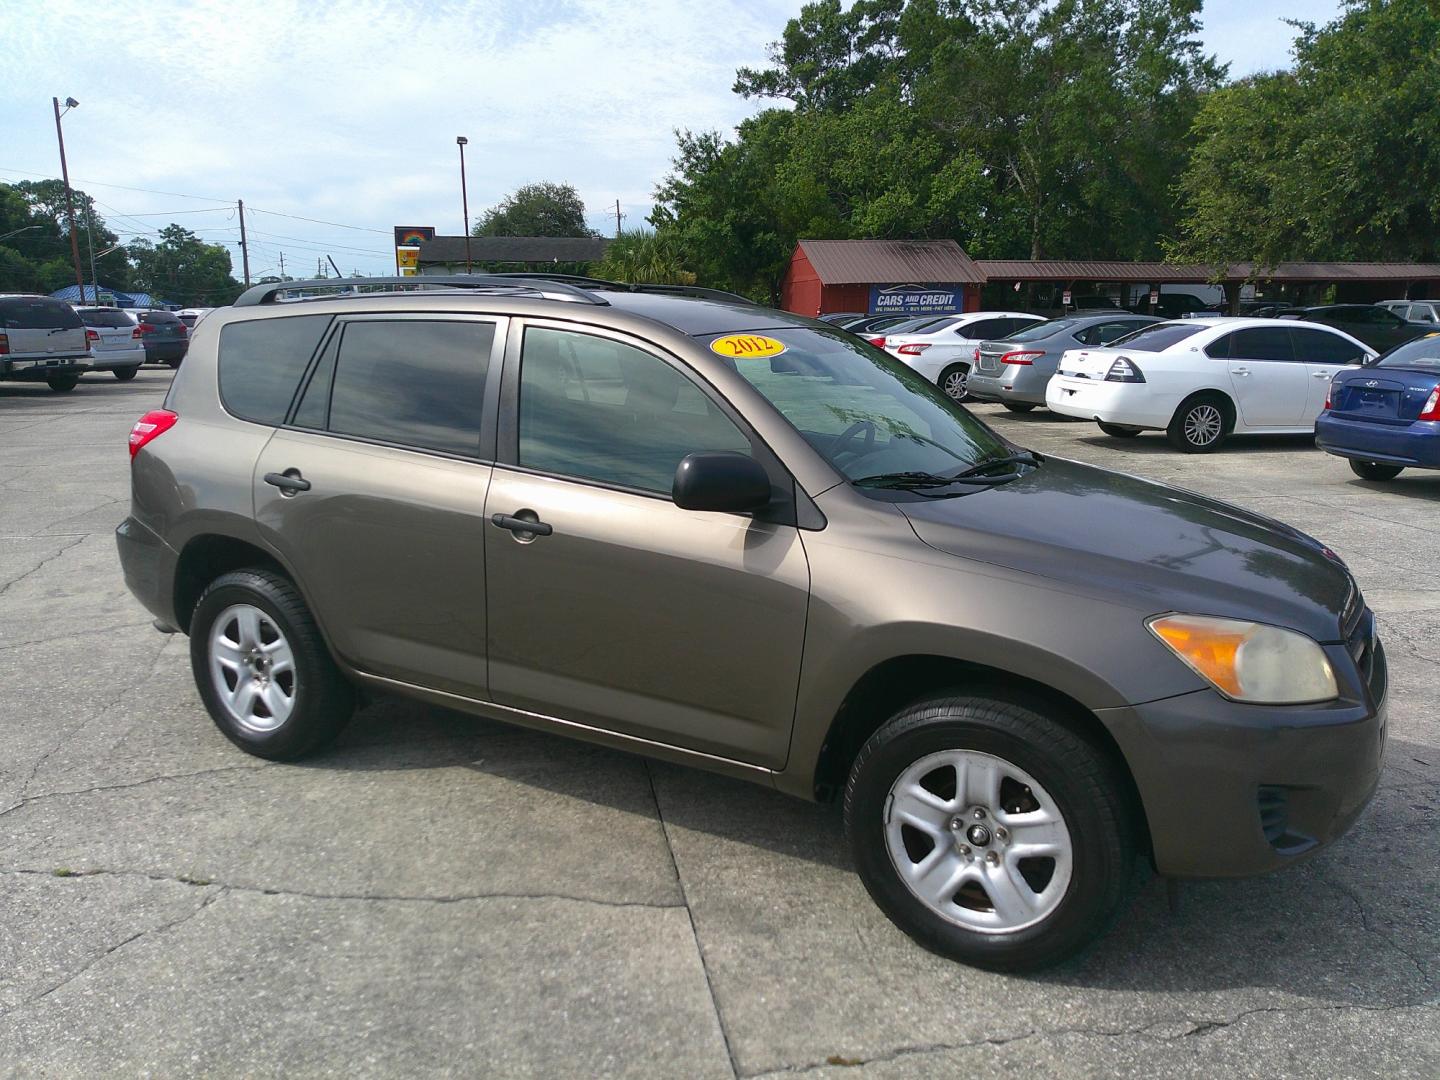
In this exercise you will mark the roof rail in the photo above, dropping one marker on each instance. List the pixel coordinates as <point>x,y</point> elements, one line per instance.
<point>641,287</point>
<point>546,287</point>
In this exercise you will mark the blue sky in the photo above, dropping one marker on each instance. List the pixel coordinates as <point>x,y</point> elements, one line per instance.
<point>347,111</point>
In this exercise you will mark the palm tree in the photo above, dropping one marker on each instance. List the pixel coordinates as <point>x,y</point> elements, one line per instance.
<point>642,255</point>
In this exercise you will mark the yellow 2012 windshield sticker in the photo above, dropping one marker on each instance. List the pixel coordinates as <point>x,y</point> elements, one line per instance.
<point>747,346</point>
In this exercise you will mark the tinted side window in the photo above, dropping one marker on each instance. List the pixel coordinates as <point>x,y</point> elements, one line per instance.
<point>1262,343</point>
<point>414,382</point>
<point>983,329</point>
<point>1318,347</point>
<point>37,313</point>
<point>261,362</point>
<point>1105,333</point>
<point>1219,349</point>
<point>601,410</point>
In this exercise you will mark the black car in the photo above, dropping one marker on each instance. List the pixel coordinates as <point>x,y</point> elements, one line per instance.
<point>1378,327</point>
<point>166,338</point>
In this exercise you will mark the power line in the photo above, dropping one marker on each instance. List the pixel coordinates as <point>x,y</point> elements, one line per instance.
<point>317,221</point>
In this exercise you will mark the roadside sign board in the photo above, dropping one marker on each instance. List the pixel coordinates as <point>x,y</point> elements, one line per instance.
<point>917,299</point>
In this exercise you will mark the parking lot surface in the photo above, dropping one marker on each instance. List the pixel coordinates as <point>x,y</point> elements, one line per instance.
<point>440,895</point>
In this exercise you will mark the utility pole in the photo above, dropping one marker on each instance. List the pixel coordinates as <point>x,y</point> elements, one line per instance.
<point>90,242</point>
<point>70,103</point>
<point>244,247</point>
<point>617,219</point>
<point>461,141</point>
<point>282,266</point>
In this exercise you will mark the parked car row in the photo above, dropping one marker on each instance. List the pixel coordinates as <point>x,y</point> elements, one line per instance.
<point>47,340</point>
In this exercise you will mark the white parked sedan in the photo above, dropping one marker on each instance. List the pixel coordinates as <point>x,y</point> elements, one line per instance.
<point>1200,380</point>
<point>944,352</point>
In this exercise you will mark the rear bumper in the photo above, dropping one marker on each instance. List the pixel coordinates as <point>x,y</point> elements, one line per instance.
<point>148,563</point>
<point>1234,790</point>
<point>40,370</point>
<point>118,358</point>
<point>1013,382</point>
<point>1132,404</point>
<point>1416,445</point>
<point>162,352</point>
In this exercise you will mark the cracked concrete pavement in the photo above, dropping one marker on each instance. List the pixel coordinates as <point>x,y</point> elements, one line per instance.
<point>442,895</point>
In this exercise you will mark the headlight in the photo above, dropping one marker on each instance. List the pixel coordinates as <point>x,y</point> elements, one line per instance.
<point>1246,661</point>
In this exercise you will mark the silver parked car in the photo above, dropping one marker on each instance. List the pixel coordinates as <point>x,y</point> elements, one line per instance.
<point>42,339</point>
<point>1015,370</point>
<point>1425,311</point>
<point>115,340</point>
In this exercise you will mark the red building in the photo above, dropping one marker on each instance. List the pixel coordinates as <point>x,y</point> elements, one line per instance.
<point>903,276</point>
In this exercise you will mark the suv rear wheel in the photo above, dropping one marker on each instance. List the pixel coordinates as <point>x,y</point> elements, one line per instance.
<point>262,668</point>
<point>988,832</point>
<point>63,384</point>
<point>125,374</point>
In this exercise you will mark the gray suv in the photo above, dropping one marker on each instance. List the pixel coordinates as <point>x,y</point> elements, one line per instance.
<point>747,541</point>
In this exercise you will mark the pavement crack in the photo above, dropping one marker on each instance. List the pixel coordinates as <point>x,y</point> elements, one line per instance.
<point>1354,897</point>
<point>73,634</point>
<point>44,795</point>
<point>1195,1028</point>
<point>163,928</point>
<point>305,894</point>
<point>41,564</point>
<point>694,931</point>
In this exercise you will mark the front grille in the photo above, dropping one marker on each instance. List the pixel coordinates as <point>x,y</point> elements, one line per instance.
<point>1274,807</point>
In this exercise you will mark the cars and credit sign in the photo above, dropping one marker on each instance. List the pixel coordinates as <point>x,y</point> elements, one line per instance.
<point>916,299</point>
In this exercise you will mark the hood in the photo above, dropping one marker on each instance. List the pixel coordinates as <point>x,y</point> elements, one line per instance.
<point>1134,541</point>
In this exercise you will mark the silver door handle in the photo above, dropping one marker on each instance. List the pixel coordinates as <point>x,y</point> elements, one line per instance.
<point>1320,374</point>
<point>1240,371</point>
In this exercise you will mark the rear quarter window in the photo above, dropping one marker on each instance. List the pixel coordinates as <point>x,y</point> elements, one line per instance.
<point>261,362</point>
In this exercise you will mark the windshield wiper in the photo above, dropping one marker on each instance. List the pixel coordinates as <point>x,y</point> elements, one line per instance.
<point>1024,457</point>
<point>916,481</point>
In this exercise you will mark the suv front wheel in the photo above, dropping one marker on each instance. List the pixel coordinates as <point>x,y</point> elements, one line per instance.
<point>262,668</point>
<point>988,832</point>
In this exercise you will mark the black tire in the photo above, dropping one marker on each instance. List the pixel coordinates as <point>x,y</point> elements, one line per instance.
<point>324,699</point>
<point>954,381</point>
<point>1201,423</point>
<point>1019,406</point>
<point>1119,431</point>
<point>1080,780</point>
<point>174,363</point>
<point>62,384</point>
<point>1373,470</point>
<point>125,374</point>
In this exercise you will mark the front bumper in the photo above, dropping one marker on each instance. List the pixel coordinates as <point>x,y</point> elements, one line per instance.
<point>1232,790</point>
<point>1132,404</point>
<point>149,564</point>
<point>1415,445</point>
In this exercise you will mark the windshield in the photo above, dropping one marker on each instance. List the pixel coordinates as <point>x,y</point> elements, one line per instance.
<point>1042,330</point>
<point>1157,337</point>
<point>865,412</point>
<point>1422,354</point>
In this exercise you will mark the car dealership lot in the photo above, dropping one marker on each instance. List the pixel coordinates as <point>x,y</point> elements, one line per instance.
<point>438,894</point>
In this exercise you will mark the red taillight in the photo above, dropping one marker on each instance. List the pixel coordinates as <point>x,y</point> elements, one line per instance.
<point>135,334</point>
<point>91,335</point>
<point>1021,357</point>
<point>878,342</point>
<point>150,426</point>
<point>912,350</point>
<point>976,357</point>
<point>1431,411</point>
<point>4,345</point>
<point>146,328</point>
<point>184,330</point>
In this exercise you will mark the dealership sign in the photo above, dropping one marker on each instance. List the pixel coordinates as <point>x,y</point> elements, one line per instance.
<point>916,299</point>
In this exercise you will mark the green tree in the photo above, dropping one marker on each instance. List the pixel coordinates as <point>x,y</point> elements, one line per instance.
<point>536,210</point>
<point>1337,159</point>
<point>184,269</point>
<point>646,256</point>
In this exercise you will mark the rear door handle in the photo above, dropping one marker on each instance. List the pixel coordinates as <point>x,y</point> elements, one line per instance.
<point>1320,374</point>
<point>289,482</point>
<point>1240,371</point>
<point>521,525</point>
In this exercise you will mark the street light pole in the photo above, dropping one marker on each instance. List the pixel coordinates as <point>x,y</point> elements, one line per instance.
<point>90,244</point>
<point>460,141</point>
<point>70,103</point>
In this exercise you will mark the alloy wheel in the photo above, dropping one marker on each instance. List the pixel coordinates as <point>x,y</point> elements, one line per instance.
<point>956,384</point>
<point>1203,425</point>
<point>978,841</point>
<point>253,668</point>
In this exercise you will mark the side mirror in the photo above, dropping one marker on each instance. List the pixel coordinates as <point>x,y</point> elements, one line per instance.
<point>725,482</point>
